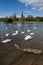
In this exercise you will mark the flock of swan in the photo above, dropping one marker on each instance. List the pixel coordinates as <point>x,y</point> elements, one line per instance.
<point>27,37</point>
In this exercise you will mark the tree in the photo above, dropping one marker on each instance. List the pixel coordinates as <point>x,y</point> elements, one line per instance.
<point>37,18</point>
<point>9,20</point>
<point>14,17</point>
<point>30,18</point>
<point>41,18</point>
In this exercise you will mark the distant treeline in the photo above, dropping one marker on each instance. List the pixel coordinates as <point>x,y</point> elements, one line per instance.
<point>14,18</point>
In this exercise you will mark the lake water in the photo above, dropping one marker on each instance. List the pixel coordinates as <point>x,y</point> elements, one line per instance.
<point>35,27</point>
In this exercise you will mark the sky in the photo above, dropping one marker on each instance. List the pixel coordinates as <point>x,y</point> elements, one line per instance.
<point>28,7</point>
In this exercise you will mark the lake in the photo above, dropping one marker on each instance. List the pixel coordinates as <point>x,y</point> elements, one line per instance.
<point>34,27</point>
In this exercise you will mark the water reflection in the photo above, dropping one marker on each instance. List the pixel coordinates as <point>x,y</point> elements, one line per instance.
<point>4,28</point>
<point>35,30</point>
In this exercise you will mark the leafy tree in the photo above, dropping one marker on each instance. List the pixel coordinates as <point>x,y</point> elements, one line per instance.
<point>9,20</point>
<point>41,19</point>
<point>30,18</point>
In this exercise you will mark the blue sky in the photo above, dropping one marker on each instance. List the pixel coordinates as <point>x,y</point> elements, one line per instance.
<point>28,7</point>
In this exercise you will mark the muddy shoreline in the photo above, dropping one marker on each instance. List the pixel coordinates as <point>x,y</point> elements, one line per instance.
<point>9,55</point>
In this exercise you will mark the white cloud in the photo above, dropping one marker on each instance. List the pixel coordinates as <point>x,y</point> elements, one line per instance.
<point>33,8</point>
<point>34,3</point>
<point>28,2</point>
<point>41,9</point>
<point>27,11</point>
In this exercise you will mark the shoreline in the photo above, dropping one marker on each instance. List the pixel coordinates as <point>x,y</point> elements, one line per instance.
<point>23,22</point>
<point>9,55</point>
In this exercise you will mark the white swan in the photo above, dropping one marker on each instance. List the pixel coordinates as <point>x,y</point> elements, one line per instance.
<point>16,32</point>
<point>6,40</point>
<point>28,30</point>
<point>7,34</point>
<point>28,37</point>
<point>31,33</point>
<point>22,32</point>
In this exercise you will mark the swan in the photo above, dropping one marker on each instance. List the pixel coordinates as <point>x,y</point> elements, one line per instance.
<point>28,30</point>
<point>31,33</point>
<point>28,37</point>
<point>22,32</point>
<point>6,40</point>
<point>16,32</point>
<point>7,34</point>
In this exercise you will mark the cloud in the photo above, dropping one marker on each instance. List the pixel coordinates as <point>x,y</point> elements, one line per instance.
<point>41,9</point>
<point>26,11</point>
<point>33,8</point>
<point>34,3</point>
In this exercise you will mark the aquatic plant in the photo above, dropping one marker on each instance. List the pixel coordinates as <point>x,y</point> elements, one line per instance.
<point>29,50</point>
